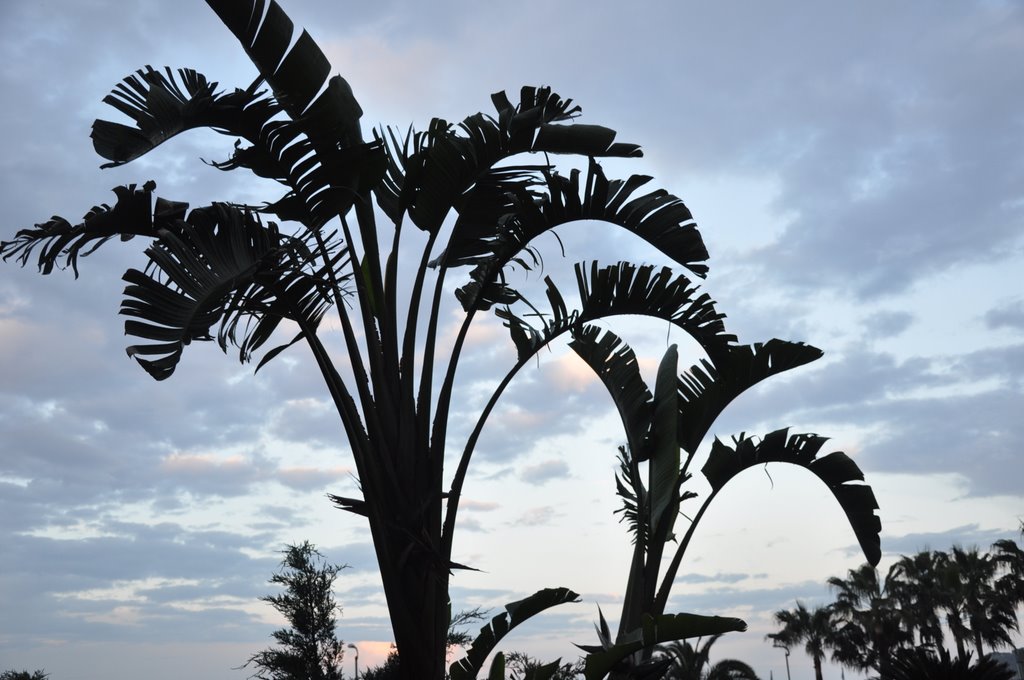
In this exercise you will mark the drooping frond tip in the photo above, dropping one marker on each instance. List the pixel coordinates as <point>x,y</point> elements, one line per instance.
<point>837,470</point>
<point>132,215</point>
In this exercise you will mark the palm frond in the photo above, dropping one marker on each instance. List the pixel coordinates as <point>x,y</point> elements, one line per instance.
<point>222,267</point>
<point>432,172</point>
<point>840,474</point>
<point>655,630</point>
<point>708,387</point>
<point>296,70</point>
<point>534,125</point>
<point>323,177</point>
<point>658,217</point>
<point>615,363</point>
<point>133,215</point>
<point>163,106</point>
<point>623,288</point>
<point>515,613</point>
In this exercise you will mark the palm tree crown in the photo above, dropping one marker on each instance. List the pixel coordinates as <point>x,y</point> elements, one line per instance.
<point>689,662</point>
<point>812,627</point>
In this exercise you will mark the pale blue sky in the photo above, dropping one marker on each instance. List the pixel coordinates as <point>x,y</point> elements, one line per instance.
<point>857,172</point>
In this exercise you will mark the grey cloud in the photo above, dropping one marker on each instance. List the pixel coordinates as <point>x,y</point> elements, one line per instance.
<point>967,535</point>
<point>471,524</point>
<point>851,381</point>
<point>223,578</point>
<point>1004,363</point>
<point>359,595</point>
<point>535,406</point>
<point>313,422</point>
<point>965,428</point>
<point>1009,315</point>
<point>281,514</point>
<point>499,473</point>
<point>359,557</point>
<point>713,600</point>
<point>537,516</point>
<point>716,578</point>
<point>974,435</point>
<point>887,324</point>
<point>839,127</point>
<point>310,479</point>
<point>468,504</point>
<point>40,580</point>
<point>204,475</point>
<point>544,472</point>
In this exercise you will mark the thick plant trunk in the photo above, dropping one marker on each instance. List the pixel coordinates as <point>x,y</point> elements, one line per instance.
<point>418,607</point>
<point>416,590</point>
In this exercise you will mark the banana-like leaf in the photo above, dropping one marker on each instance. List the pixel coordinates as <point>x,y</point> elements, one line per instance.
<point>321,184</point>
<point>318,154</point>
<point>162,108</point>
<point>706,389</point>
<point>663,468</point>
<point>132,215</point>
<point>840,474</point>
<point>618,289</point>
<point>497,671</point>
<point>435,171</point>
<point>428,178</point>
<point>223,267</point>
<point>515,613</point>
<point>658,217</point>
<point>616,365</point>
<point>296,71</point>
<point>655,630</point>
<point>541,109</point>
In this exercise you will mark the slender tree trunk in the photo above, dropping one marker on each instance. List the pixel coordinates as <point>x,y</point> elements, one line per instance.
<point>957,638</point>
<point>883,650</point>
<point>817,667</point>
<point>961,651</point>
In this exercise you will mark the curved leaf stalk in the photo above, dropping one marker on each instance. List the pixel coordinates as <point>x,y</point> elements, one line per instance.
<point>455,491</point>
<point>429,465</point>
<point>384,316</point>
<point>661,599</point>
<point>419,407</point>
<point>439,435</point>
<point>375,403</point>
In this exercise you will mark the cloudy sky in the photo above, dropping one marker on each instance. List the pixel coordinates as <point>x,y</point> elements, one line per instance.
<point>857,171</point>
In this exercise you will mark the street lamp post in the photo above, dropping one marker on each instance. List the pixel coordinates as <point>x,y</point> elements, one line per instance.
<point>350,646</point>
<point>779,645</point>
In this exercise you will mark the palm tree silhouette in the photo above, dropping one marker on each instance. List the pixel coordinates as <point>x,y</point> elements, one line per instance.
<point>694,663</point>
<point>813,627</point>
